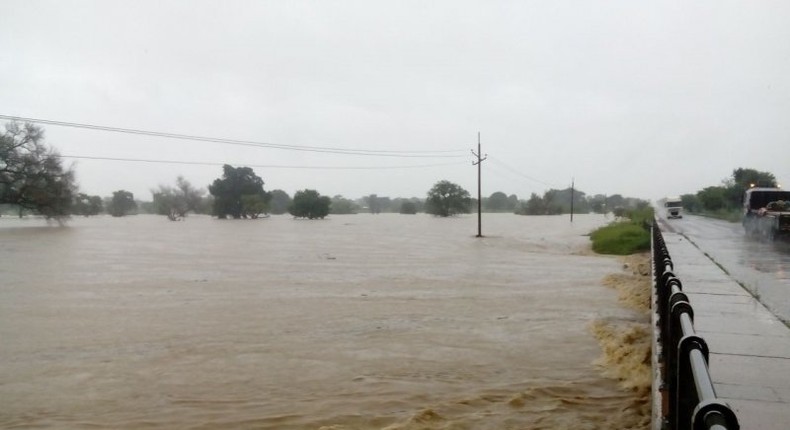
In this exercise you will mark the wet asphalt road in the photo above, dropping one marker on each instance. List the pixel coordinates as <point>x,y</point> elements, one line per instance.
<point>763,268</point>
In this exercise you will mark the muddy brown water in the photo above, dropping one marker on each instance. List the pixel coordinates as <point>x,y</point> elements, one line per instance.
<point>354,322</point>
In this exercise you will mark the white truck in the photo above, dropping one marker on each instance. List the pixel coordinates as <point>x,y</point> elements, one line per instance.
<point>673,207</point>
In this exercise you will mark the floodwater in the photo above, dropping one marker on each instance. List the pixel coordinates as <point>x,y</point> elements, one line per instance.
<point>354,322</point>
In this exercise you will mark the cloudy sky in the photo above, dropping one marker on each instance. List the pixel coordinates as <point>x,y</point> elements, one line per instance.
<point>645,99</point>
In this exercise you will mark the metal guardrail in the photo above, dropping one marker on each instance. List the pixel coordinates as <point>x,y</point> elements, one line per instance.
<point>688,396</point>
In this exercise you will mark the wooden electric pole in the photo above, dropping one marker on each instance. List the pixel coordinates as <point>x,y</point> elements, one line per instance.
<point>477,163</point>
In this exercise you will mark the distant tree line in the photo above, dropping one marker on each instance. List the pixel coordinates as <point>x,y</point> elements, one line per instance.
<point>556,202</point>
<point>727,197</point>
<point>33,180</point>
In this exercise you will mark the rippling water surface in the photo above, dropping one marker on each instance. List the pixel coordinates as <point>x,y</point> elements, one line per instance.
<point>354,322</point>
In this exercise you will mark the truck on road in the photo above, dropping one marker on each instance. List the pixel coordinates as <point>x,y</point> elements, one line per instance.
<point>673,207</point>
<point>766,213</point>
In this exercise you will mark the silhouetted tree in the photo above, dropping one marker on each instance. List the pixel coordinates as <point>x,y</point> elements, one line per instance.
<point>743,179</point>
<point>87,205</point>
<point>497,202</point>
<point>533,206</point>
<point>342,206</point>
<point>32,176</point>
<point>309,204</point>
<point>597,203</point>
<point>279,201</point>
<point>373,204</point>
<point>253,206</point>
<point>447,199</point>
<point>691,202</point>
<point>408,208</point>
<point>228,191</point>
<point>512,202</point>
<point>122,203</point>
<point>176,201</point>
<point>712,198</point>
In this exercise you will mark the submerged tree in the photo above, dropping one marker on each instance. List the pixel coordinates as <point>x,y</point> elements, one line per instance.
<point>176,202</point>
<point>122,203</point>
<point>253,206</point>
<point>497,202</point>
<point>32,176</point>
<point>229,190</point>
<point>408,208</point>
<point>87,205</point>
<point>447,199</point>
<point>533,206</point>
<point>279,201</point>
<point>374,205</point>
<point>309,204</point>
<point>342,206</point>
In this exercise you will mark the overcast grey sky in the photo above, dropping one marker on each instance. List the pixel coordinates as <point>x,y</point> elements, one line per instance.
<point>645,99</point>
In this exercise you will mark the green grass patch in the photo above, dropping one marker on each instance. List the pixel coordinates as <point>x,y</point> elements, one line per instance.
<point>620,238</point>
<point>641,216</point>
<point>625,237</point>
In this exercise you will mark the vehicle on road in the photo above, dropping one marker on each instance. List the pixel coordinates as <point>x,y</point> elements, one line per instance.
<point>673,207</point>
<point>766,213</point>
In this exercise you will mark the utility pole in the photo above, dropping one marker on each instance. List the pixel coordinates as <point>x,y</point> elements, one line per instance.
<point>480,160</point>
<point>572,183</point>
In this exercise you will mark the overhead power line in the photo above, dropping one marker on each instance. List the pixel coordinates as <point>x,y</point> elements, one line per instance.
<point>321,149</point>
<point>267,166</point>
<point>515,171</point>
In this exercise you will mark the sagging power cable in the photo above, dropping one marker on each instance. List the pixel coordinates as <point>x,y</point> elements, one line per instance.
<point>321,149</point>
<point>266,166</point>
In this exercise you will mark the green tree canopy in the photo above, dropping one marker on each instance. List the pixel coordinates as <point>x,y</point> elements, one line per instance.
<point>253,205</point>
<point>228,191</point>
<point>713,198</point>
<point>447,199</point>
<point>399,202</point>
<point>497,202</point>
<point>87,205</point>
<point>408,207</point>
<point>729,195</point>
<point>597,203</point>
<point>309,204</point>
<point>279,201</point>
<point>555,202</point>
<point>533,206</point>
<point>550,204</point>
<point>122,203</point>
<point>691,202</point>
<point>750,177</point>
<point>342,206</point>
<point>743,179</point>
<point>32,176</point>
<point>373,203</point>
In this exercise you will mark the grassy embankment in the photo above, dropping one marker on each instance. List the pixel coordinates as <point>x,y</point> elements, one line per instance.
<point>626,236</point>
